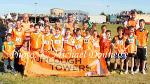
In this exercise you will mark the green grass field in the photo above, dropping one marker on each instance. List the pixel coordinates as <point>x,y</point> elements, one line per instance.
<point>112,79</point>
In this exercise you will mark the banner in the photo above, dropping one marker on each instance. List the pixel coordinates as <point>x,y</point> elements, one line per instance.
<point>77,63</point>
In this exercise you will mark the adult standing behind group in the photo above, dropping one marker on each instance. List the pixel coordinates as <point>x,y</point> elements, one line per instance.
<point>69,24</point>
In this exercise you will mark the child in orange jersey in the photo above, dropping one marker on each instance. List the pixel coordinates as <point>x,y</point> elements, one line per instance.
<point>36,39</point>
<point>142,36</point>
<point>8,50</point>
<point>78,40</point>
<point>68,41</point>
<point>131,49</point>
<point>47,39</point>
<point>102,37</point>
<point>24,55</point>
<point>87,41</point>
<point>96,40</point>
<point>57,41</point>
<point>119,43</point>
<point>75,26</point>
<point>107,48</point>
<point>85,27</point>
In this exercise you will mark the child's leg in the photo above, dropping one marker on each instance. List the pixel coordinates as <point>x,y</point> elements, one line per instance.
<point>12,66</point>
<point>122,64</point>
<point>108,63</point>
<point>143,66</point>
<point>132,63</point>
<point>115,64</point>
<point>127,61</point>
<point>6,63</point>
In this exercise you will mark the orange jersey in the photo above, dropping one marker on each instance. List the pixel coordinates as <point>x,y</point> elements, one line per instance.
<point>102,41</point>
<point>132,44</point>
<point>96,44</point>
<point>142,37</point>
<point>24,56</point>
<point>36,40</point>
<point>107,46</point>
<point>87,43</point>
<point>83,33</point>
<point>132,23</point>
<point>57,42</point>
<point>47,41</point>
<point>18,37</point>
<point>119,44</point>
<point>8,47</point>
<point>68,43</point>
<point>79,43</point>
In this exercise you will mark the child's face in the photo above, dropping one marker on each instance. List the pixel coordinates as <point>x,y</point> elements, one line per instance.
<point>47,30</point>
<point>36,28</point>
<point>25,45</point>
<point>9,39</point>
<point>76,26</point>
<point>85,26</point>
<point>57,32</point>
<point>104,29</point>
<point>108,34</point>
<point>57,24</point>
<point>67,33</point>
<point>79,33</point>
<point>132,31</point>
<point>95,33</point>
<point>142,24</point>
<point>18,24</point>
<point>120,32</point>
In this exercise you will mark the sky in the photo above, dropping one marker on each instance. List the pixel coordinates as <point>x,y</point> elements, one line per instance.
<point>93,7</point>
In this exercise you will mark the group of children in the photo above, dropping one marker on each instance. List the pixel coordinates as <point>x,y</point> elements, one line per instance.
<point>122,47</point>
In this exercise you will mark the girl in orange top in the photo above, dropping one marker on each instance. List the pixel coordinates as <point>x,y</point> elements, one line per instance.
<point>131,49</point>
<point>95,41</point>
<point>119,44</point>
<point>85,27</point>
<point>68,41</point>
<point>36,39</point>
<point>102,37</point>
<point>47,39</point>
<point>18,34</point>
<point>87,41</point>
<point>57,41</point>
<point>78,40</point>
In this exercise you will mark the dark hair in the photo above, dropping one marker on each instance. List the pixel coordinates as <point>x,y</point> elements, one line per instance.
<point>70,14</point>
<point>141,20</point>
<point>57,20</point>
<point>78,29</point>
<point>36,25</point>
<point>119,28</point>
<point>132,12</point>
<point>8,35</point>
<point>87,30</point>
<point>67,29</point>
<point>108,31</point>
<point>86,22</point>
<point>103,26</point>
<point>130,27</point>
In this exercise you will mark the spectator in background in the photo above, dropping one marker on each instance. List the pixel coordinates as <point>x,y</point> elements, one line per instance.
<point>69,24</point>
<point>3,30</point>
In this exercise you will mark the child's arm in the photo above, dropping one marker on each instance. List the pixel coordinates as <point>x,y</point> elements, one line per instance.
<point>42,47</point>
